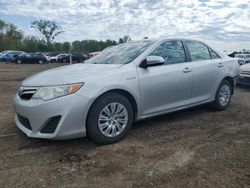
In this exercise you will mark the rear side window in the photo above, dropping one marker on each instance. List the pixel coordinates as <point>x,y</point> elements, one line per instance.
<point>214,55</point>
<point>198,51</point>
<point>171,51</point>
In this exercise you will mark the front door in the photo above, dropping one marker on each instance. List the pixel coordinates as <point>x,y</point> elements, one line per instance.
<point>167,86</point>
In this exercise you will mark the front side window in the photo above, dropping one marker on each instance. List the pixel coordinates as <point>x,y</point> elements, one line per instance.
<point>171,51</point>
<point>198,51</point>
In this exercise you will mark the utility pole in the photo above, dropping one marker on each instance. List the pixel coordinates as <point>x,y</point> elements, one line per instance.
<point>70,55</point>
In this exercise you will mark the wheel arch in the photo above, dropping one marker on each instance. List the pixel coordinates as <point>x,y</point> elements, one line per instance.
<point>123,92</point>
<point>231,81</point>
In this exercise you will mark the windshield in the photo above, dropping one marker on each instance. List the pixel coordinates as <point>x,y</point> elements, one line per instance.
<point>120,54</point>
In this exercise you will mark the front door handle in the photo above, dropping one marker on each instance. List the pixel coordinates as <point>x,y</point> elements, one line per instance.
<point>187,69</point>
<point>220,65</point>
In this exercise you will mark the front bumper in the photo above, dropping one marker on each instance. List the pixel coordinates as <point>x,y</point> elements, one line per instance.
<point>71,109</point>
<point>243,80</point>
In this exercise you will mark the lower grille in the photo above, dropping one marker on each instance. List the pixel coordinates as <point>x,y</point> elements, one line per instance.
<point>51,125</point>
<point>24,121</point>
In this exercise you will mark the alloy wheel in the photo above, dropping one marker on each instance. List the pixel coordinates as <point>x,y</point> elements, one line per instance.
<point>113,119</point>
<point>224,95</point>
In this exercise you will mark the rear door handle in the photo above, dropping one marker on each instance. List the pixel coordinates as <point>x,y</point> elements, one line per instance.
<point>187,69</point>
<point>220,65</point>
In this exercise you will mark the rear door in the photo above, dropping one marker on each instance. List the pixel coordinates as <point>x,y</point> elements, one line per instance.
<point>207,70</point>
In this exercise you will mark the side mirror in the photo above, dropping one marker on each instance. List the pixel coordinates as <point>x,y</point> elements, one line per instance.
<point>152,61</point>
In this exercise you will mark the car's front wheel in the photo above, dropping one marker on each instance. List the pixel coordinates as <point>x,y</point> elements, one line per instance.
<point>109,118</point>
<point>223,95</point>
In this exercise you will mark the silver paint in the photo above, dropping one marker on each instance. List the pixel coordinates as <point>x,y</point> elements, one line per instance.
<point>156,90</point>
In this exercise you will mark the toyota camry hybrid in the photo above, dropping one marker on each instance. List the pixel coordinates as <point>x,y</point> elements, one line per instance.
<point>125,83</point>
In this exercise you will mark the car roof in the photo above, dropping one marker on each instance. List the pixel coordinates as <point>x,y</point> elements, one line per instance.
<point>162,39</point>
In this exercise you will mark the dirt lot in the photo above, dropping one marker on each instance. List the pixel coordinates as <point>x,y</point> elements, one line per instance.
<point>191,148</point>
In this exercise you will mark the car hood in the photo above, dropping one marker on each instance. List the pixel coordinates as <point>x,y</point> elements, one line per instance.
<point>245,67</point>
<point>69,74</point>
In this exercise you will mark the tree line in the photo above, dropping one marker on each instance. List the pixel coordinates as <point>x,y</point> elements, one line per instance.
<point>12,38</point>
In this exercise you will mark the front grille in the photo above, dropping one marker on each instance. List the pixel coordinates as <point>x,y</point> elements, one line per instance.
<point>24,121</point>
<point>245,72</point>
<point>26,93</point>
<point>51,125</point>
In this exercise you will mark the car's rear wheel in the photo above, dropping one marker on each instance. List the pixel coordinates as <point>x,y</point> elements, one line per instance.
<point>109,118</point>
<point>19,61</point>
<point>223,95</point>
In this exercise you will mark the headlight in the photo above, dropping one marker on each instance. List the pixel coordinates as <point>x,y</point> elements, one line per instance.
<point>51,92</point>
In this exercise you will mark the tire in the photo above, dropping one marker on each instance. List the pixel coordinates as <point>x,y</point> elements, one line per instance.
<point>94,121</point>
<point>222,102</point>
<point>40,61</point>
<point>19,61</point>
<point>64,60</point>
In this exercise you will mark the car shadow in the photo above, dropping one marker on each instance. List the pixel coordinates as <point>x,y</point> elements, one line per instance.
<point>174,116</point>
<point>243,87</point>
<point>26,143</point>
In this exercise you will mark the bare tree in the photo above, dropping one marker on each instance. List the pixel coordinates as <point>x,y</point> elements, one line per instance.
<point>48,29</point>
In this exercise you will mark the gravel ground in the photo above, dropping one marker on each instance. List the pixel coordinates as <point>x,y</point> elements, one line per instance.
<point>193,148</point>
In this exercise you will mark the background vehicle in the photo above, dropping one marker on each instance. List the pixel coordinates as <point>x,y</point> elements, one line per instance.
<point>49,55</point>
<point>241,61</point>
<point>31,58</point>
<point>9,55</point>
<point>94,53</point>
<point>77,57</point>
<point>243,58</point>
<point>240,58</point>
<point>55,58</point>
<point>5,51</point>
<point>244,78</point>
<point>128,82</point>
<point>247,58</point>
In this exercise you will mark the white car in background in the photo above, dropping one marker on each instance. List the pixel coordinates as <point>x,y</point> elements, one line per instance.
<point>49,55</point>
<point>240,59</point>
<point>55,58</point>
<point>247,58</point>
<point>243,58</point>
<point>244,79</point>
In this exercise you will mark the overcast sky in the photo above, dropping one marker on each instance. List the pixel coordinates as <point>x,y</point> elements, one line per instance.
<point>225,24</point>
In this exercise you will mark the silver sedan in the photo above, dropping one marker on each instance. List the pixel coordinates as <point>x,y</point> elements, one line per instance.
<point>125,83</point>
